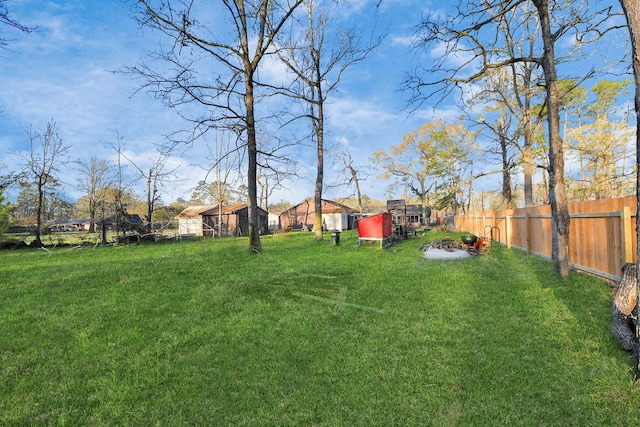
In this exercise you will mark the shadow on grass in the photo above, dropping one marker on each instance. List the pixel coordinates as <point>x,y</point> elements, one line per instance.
<point>541,347</point>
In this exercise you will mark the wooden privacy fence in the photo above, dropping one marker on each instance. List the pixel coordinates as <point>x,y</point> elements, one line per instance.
<point>602,233</point>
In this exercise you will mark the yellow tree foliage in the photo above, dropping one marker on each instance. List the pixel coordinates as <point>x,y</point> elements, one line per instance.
<point>430,163</point>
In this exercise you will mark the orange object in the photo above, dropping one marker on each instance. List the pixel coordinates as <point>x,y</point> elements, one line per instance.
<point>481,243</point>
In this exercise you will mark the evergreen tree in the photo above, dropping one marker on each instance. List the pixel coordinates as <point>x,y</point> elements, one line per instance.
<point>5,213</point>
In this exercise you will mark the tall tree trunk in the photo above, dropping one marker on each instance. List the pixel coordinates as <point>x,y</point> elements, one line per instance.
<point>252,169</point>
<point>557,189</point>
<point>150,198</point>
<point>92,216</point>
<point>527,130</point>
<point>264,194</point>
<point>39,213</point>
<point>316,53</point>
<point>356,181</point>
<point>632,12</point>
<point>528,160</point>
<point>507,193</point>
<point>320,166</point>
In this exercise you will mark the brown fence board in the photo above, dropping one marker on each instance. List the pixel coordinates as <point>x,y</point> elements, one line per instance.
<point>602,235</point>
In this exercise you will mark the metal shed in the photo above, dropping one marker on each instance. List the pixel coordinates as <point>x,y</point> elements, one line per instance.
<point>207,220</point>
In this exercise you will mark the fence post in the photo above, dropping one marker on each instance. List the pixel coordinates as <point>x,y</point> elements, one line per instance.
<point>527,227</point>
<point>507,234</point>
<point>483,226</point>
<point>627,234</point>
<point>494,223</point>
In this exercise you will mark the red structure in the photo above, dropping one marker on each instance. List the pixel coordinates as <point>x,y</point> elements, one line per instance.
<point>377,227</point>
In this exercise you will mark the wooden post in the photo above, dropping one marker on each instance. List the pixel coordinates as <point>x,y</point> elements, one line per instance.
<point>626,234</point>
<point>494,225</point>
<point>527,227</point>
<point>482,224</point>
<point>507,230</point>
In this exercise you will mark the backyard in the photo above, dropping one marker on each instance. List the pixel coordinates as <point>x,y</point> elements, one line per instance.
<point>205,333</point>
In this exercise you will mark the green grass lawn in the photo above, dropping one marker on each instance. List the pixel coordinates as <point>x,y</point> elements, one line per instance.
<point>306,333</point>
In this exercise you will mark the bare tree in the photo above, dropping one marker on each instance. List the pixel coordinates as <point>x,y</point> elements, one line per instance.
<point>231,56</point>
<point>319,66</point>
<point>501,129</point>
<point>96,176</point>
<point>352,174</point>
<point>515,86</point>
<point>7,20</point>
<point>220,190</point>
<point>471,39</point>
<point>498,116</point>
<point>46,154</point>
<point>269,181</point>
<point>557,188</point>
<point>10,179</point>
<point>520,42</point>
<point>118,190</point>
<point>154,176</point>
<point>273,169</point>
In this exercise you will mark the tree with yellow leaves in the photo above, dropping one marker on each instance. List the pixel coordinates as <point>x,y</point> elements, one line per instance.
<point>431,163</point>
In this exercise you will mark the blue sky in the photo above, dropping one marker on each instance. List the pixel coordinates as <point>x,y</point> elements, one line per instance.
<point>64,72</point>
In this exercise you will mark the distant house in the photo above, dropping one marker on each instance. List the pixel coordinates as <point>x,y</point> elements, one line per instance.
<point>126,223</point>
<point>335,216</point>
<point>70,225</point>
<point>274,221</point>
<point>413,213</point>
<point>208,220</point>
<point>84,224</point>
<point>62,226</point>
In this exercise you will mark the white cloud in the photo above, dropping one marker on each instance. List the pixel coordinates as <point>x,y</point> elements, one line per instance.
<point>403,40</point>
<point>63,73</point>
<point>274,71</point>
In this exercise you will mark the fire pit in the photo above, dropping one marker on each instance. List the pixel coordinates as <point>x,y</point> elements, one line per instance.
<point>446,248</point>
<point>447,244</point>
